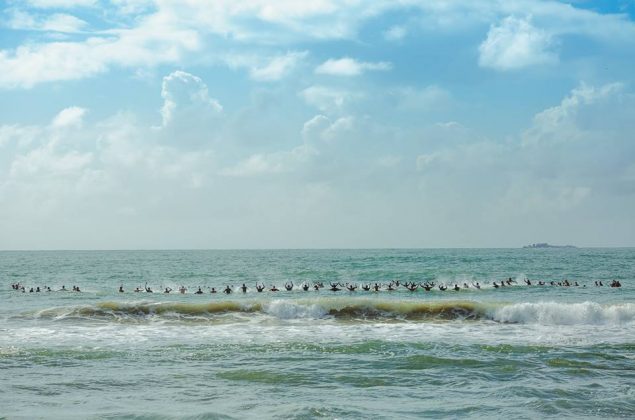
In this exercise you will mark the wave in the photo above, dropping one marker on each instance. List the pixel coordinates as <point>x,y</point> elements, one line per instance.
<point>546,313</point>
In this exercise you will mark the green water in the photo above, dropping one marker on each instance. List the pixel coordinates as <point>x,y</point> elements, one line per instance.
<point>513,352</point>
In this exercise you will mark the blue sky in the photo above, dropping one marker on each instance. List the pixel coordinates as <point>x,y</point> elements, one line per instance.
<point>257,124</point>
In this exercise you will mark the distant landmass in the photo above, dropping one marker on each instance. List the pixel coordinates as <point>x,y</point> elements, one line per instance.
<point>546,245</point>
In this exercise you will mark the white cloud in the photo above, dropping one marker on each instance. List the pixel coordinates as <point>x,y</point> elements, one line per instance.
<point>327,99</point>
<point>57,22</point>
<point>21,136</point>
<point>562,123</point>
<point>277,67</point>
<point>515,44</point>
<point>174,32</point>
<point>427,98</point>
<point>183,92</point>
<point>270,163</point>
<point>347,66</point>
<point>395,33</point>
<point>69,117</point>
<point>61,4</point>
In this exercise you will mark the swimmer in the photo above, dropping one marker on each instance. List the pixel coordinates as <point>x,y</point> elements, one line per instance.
<point>443,288</point>
<point>351,287</point>
<point>289,286</point>
<point>305,286</point>
<point>243,288</point>
<point>412,286</point>
<point>63,289</point>
<point>31,290</point>
<point>148,290</point>
<point>167,290</point>
<point>212,290</point>
<point>316,287</point>
<point>334,287</point>
<point>390,288</point>
<point>182,290</point>
<point>527,282</point>
<point>274,288</point>
<point>48,289</point>
<point>376,287</point>
<point>227,290</point>
<point>456,288</point>
<point>137,289</point>
<point>495,285</point>
<point>260,287</point>
<point>427,287</point>
<point>121,289</point>
<point>199,291</point>
<point>466,286</point>
<point>366,287</point>
<point>37,289</point>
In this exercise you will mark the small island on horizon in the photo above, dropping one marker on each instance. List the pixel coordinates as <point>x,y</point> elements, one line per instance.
<point>546,245</point>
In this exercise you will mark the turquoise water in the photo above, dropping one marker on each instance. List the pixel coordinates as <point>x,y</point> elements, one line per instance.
<point>519,351</point>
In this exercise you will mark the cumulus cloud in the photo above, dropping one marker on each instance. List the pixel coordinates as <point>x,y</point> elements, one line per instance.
<point>563,122</point>
<point>69,117</point>
<point>328,99</point>
<point>185,93</point>
<point>515,43</point>
<point>176,32</point>
<point>347,66</point>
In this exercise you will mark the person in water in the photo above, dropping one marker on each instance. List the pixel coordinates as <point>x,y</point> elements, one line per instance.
<point>260,287</point>
<point>274,288</point>
<point>121,289</point>
<point>334,287</point>
<point>167,290</point>
<point>227,290</point>
<point>199,291</point>
<point>212,290</point>
<point>289,286</point>
<point>243,288</point>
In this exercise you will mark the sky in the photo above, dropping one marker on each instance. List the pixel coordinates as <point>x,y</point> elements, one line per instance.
<point>184,124</point>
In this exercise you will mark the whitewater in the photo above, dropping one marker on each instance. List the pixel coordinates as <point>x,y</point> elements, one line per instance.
<point>518,351</point>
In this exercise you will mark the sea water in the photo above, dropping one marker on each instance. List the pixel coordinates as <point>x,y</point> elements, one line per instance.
<point>511,352</point>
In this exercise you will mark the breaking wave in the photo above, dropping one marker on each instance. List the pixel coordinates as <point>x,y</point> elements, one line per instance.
<point>546,313</point>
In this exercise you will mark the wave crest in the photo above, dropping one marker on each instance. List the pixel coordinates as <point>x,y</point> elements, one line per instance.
<point>546,313</point>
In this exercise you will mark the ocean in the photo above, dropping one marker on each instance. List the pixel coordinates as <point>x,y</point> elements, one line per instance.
<point>518,351</point>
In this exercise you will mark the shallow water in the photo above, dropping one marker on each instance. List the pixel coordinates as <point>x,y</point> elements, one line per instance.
<point>519,351</point>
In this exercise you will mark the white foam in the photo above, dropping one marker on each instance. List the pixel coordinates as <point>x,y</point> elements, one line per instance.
<point>555,313</point>
<point>284,309</point>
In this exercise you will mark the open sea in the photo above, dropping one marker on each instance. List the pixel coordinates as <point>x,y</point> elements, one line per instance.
<point>517,351</point>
